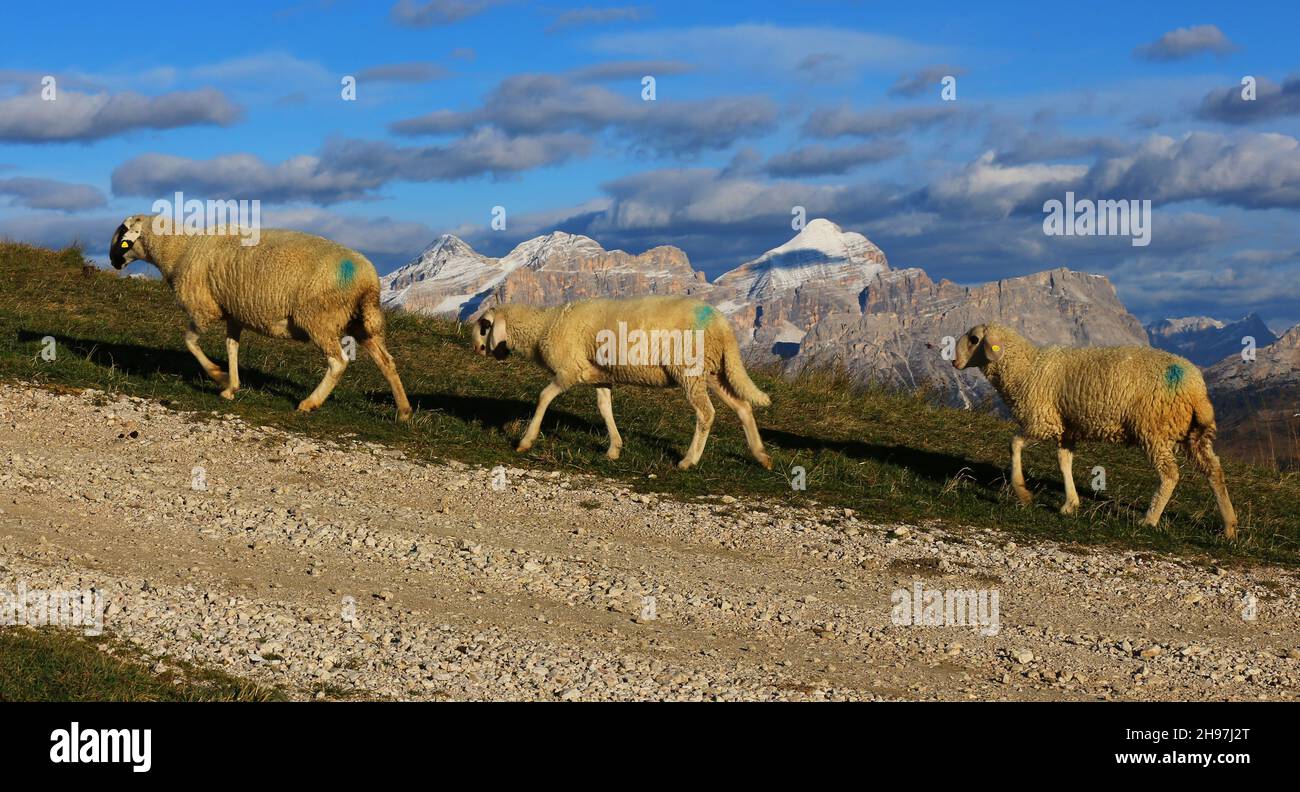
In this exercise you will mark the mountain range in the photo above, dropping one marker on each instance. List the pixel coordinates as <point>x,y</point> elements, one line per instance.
<point>1206,341</point>
<point>828,297</point>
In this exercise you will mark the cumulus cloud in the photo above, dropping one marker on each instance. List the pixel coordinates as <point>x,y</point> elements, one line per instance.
<point>1251,171</point>
<point>578,17</point>
<point>386,241</point>
<point>1271,101</point>
<point>817,160</point>
<point>80,117</point>
<point>50,194</point>
<point>988,187</point>
<point>623,70</point>
<point>926,79</point>
<point>832,52</point>
<point>1025,147</point>
<point>547,103</point>
<point>719,216</point>
<point>1185,42</point>
<point>409,13</point>
<point>345,170</point>
<point>842,121</point>
<point>483,152</point>
<point>411,72</point>
<point>240,176</point>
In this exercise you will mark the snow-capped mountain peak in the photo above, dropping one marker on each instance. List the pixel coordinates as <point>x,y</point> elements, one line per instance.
<point>821,252</point>
<point>450,278</point>
<point>536,252</point>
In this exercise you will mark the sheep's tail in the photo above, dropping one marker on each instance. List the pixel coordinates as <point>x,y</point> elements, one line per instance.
<point>733,369</point>
<point>1201,434</point>
<point>369,313</point>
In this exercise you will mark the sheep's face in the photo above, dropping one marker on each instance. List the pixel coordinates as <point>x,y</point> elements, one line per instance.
<point>123,250</point>
<point>979,347</point>
<point>488,335</point>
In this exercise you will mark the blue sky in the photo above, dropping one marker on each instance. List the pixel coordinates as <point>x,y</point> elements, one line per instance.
<point>464,105</point>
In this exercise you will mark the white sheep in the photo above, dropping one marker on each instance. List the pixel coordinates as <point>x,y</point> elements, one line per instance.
<point>288,285</point>
<point>1129,394</point>
<point>655,341</point>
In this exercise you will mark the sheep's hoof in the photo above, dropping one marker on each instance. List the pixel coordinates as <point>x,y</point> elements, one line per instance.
<point>404,415</point>
<point>685,464</point>
<point>1069,509</point>
<point>613,452</point>
<point>1150,523</point>
<point>1230,531</point>
<point>229,394</point>
<point>765,461</point>
<point>523,448</point>
<point>1025,497</point>
<point>306,406</point>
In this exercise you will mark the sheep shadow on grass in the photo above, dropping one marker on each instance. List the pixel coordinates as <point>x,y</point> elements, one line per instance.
<point>147,362</point>
<point>494,412</point>
<point>936,466</point>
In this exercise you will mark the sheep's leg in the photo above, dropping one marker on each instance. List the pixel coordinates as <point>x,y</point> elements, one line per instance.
<point>1065,455</point>
<point>337,364</point>
<point>192,342</point>
<point>1162,457</point>
<point>543,401</point>
<point>374,345</point>
<point>233,331</point>
<point>1221,497</point>
<point>605,401</point>
<point>698,395</point>
<point>1018,473</point>
<point>744,411</point>
<point>1203,456</point>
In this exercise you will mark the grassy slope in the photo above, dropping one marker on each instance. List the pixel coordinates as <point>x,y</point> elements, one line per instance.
<point>890,456</point>
<point>50,665</point>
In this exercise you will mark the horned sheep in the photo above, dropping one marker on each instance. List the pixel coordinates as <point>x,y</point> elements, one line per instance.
<point>654,341</point>
<point>288,285</point>
<point>1126,394</point>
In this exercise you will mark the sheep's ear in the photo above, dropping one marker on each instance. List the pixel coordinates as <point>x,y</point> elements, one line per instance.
<point>993,347</point>
<point>498,334</point>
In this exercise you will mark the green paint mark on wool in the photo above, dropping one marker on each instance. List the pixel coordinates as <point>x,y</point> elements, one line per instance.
<point>347,271</point>
<point>1174,376</point>
<point>703,315</point>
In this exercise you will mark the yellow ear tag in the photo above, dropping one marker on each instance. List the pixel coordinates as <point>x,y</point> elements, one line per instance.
<point>997,348</point>
<point>126,244</point>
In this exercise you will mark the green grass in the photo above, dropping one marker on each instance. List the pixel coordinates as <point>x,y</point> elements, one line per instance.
<point>890,456</point>
<point>57,665</point>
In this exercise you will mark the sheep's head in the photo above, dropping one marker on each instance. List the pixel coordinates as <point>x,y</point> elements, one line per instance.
<point>122,250</point>
<point>489,335</point>
<point>981,346</point>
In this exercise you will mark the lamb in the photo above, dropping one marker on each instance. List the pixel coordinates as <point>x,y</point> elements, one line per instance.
<point>655,341</point>
<point>1127,394</point>
<point>288,285</point>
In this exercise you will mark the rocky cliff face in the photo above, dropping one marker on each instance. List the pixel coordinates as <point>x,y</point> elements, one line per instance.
<point>1206,341</point>
<point>907,321</point>
<point>450,279</point>
<point>1257,403</point>
<point>561,273</point>
<point>1275,366</point>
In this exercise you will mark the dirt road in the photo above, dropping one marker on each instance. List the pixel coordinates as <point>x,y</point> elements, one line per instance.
<point>333,570</point>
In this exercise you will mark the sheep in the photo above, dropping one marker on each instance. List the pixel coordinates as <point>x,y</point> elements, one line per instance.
<point>654,341</point>
<point>288,285</point>
<point>1127,394</point>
